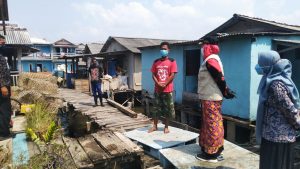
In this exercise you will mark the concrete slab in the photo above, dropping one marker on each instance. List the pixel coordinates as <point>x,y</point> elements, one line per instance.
<point>159,140</point>
<point>20,149</point>
<point>183,157</point>
<point>19,124</point>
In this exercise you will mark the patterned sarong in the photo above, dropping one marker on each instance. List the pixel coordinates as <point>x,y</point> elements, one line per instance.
<point>212,131</point>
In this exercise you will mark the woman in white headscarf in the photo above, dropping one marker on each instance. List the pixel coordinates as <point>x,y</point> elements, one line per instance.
<point>278,114</point>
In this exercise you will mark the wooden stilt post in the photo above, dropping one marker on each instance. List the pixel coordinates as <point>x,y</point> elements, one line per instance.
<point>230,131</point>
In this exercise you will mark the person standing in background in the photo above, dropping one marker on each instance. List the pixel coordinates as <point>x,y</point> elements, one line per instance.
<point>96,72</point>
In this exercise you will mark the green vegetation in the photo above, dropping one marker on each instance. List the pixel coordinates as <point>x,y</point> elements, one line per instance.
<point>42,116</point>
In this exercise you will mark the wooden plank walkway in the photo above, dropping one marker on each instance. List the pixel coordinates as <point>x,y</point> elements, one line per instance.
<point>106,147</point>
<point>108,117</point>
<point>103,149</point>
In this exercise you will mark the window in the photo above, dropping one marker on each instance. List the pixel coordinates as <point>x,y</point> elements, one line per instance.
<point>297,53</point>
<point>192,62</point>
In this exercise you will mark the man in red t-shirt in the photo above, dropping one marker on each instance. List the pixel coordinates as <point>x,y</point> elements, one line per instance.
<point>163,72</point>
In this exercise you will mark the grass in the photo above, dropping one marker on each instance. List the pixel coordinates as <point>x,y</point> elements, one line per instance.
<point>41,118</point>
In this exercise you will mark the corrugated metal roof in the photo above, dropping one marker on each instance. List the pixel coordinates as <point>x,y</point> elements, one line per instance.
<point>133,44</point>
<point>224,35</point>
<point>191,42</point>
<point>278,27</point>
<point>16,36</point>
<point>283,25</point>
<point>95,47</point>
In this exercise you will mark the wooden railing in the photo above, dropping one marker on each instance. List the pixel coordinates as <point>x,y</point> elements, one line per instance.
<point>15,79</point>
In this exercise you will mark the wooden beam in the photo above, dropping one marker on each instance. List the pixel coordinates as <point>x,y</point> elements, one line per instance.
<point>77,60</point>
<point>66,65</point>
<point>73,68</point>
<point>19,54</point>
<point>289,48</point>
<point>239,122</point>
<point>122,108</point>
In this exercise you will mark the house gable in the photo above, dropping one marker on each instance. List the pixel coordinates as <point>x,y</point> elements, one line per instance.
<point>63,42</point>
<point>246,24</point>
<point>115,46</point>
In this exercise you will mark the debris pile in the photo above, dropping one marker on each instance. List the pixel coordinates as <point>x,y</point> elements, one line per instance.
<point>33,87</point>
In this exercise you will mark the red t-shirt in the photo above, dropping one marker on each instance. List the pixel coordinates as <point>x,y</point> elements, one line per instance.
<point>162,69</point>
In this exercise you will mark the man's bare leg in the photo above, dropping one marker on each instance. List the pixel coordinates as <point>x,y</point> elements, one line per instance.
<point>154,127</point>
<point>166,129</point>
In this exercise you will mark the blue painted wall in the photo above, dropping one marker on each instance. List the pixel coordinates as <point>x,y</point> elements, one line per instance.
<point>239,57</point>
<point>235,56</point>
<point>191,84</point>
<point>48,64</point>
<point>43,48</point>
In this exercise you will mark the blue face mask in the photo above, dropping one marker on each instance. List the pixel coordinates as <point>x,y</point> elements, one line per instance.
<point>164,52</point>
<point>259,70</point>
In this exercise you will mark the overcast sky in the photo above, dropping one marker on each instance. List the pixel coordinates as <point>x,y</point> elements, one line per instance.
<point>96,20</point>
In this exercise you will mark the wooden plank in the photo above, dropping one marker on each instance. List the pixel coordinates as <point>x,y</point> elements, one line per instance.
<point>122,146</point>
<point>117,119</point>
<point>128,142</point>
<point>80,158</point>
<point>122,108</point>
<point>128,128</point>
<point>110,143</point>
<point>240,122</point>
<point>127,123</point>
<point>230,131</point>
<point>107,143</point>
<point>66,154</point>
<point>93,150</point>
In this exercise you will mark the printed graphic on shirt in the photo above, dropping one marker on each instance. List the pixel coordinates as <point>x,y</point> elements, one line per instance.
<point>162,74</point>
<point>94,74</point>
<point>162,69</point>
